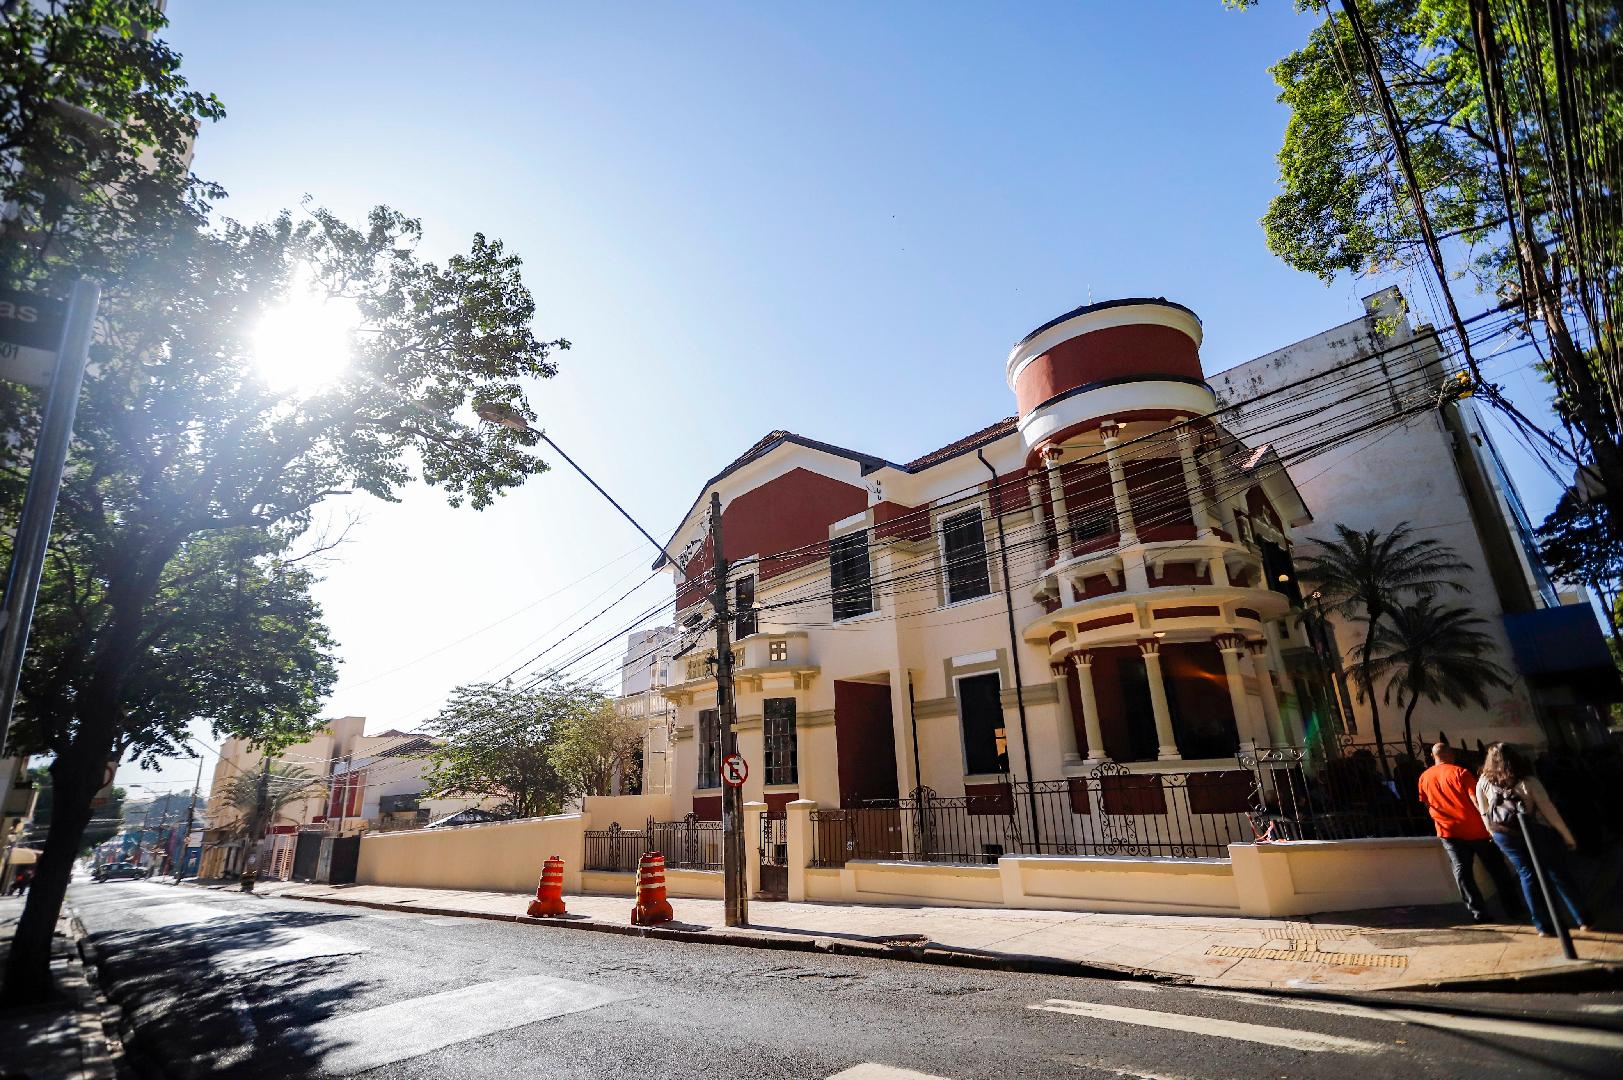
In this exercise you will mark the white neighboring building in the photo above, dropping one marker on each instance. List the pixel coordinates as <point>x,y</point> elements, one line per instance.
<point>382,785</point>
<point>1441,473</point>
<point>644,673</point>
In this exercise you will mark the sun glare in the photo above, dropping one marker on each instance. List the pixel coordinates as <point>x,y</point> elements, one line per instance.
<point>306,342</point>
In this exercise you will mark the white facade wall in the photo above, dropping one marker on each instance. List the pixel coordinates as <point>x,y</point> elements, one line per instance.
<point>1404,473</point>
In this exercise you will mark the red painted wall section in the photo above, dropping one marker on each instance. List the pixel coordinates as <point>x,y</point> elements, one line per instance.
<point>894,521</point>
<point>777,800</point>
<point>1114,353</point>
<point>865,744</point>
<point>707,807</point>
<point>1159,498</point>
<point>790,513</point>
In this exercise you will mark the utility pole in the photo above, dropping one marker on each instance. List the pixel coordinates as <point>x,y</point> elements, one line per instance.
<point>250,865</point>
<point>191,815</point>
<point>736,904</point>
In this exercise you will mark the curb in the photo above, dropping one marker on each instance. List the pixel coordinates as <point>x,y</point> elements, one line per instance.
<point>106,1054</point>
<point>1586,976</point>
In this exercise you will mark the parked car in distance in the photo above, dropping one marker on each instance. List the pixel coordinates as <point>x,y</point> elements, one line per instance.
<point>118,872</point>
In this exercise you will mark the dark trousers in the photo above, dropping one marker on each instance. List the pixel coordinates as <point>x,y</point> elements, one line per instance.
<point>1462,856</point>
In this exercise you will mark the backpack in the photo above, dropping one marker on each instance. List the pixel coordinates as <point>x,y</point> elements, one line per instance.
<point>1504,806</point>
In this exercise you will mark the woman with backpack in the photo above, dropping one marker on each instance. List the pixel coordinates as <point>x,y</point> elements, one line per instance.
<point>1506,790</point>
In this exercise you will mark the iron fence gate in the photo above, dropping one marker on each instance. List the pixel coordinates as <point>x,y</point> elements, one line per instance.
<point>774,856</point>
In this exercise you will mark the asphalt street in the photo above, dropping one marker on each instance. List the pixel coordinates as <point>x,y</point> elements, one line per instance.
<point>222,984</point>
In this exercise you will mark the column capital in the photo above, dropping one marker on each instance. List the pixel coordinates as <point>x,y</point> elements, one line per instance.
<point>1082,658</point>
<point>1052,453</point>
<point>1059,668</point>
<point>1258,648</point>
<point>1150,646</point>
<point>1233,643</point>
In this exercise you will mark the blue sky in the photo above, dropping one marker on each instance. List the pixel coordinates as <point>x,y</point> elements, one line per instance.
<point>833,218</point>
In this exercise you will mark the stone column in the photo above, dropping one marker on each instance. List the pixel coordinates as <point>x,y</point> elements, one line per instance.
<point>1233,647</point>
<point>1056,493</point>
<point>1069,754</point>
<point>1167,749</point>
<point>1034,492</point>
<point>798,831</point>
<point>752,847</point>
<point>1290,705</point>
<point>1278,733</point>
<point>1118,483</point>
<point>1090,709</point>
<point>1198,509</point>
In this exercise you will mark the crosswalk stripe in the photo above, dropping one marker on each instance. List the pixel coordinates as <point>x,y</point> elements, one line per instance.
<point>1478,1025</point>
<point>356,1042</point>
<point>1310,1041</point>
<point>869,1070</point>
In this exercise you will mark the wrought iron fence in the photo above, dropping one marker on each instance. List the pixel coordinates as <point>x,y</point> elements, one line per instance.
<point>1336,791</point>
<point>688,844</point>
<point>1111,811</point>
<point>614,848</point>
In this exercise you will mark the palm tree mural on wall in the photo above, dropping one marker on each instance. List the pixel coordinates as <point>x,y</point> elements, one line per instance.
<point>1367,576</point>
<point>1432,651</point>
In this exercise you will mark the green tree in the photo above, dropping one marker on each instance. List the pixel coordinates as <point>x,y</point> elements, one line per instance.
<point>1431,651</point>
<point>1344,207</point>
<point>96,126</point>
<point>1578,544</point>
<point>1366,576</point>
<point>594,743</point>
<point>259,797</point>
<point>502,742</point>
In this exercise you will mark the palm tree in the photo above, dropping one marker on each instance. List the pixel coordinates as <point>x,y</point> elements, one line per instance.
<point>1432,651</point>
<point>1365,576</point>
<point>283,785</point>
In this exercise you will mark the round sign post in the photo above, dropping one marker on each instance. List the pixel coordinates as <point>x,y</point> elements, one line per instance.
<point>734,770</point>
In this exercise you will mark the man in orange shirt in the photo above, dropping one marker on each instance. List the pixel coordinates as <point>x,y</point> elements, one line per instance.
<point>1449,792</point>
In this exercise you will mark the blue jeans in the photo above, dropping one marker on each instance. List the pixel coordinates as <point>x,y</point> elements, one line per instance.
<point>1552,854</point>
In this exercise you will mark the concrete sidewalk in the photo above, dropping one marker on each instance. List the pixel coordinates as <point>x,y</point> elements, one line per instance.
<point>68,1038</point>
<point>1390,949</point>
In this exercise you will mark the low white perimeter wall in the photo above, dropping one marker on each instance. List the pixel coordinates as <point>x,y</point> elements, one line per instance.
<point>1273,880</point>
<point>684,884</point>
<point>1308,876</point>
<point>501,856</point>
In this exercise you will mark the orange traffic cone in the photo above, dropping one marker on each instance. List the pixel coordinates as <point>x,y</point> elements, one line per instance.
<point>652,906</point>
<point>549,895</point>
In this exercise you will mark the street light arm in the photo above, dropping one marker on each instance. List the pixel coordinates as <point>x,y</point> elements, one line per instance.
<point>507,418</point>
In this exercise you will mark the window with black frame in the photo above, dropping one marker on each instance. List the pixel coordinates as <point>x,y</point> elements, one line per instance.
<point>744,607</point>
<point>709,748</point>
<point>980,712</point>
<point>778,734</point>
<point>964,540</point>
<point>850,576</point>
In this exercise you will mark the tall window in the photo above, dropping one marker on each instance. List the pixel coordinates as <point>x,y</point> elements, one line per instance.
<point>980,711</point>
<point>709,748</point>
<point>778,732</point>
<point>965,542</point>
<point>850,576</point>
<point>744,607</point>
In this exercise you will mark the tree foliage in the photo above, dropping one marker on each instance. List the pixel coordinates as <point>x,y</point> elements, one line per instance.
<point>259,799</point>
<point>175,589</point>
<point>594,745</point>
<point>1579,544</point>
<point>1509,203</point>
<point>498,743</point>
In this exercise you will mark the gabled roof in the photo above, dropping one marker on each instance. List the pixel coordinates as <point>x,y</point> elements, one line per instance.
<point>988,434</point>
